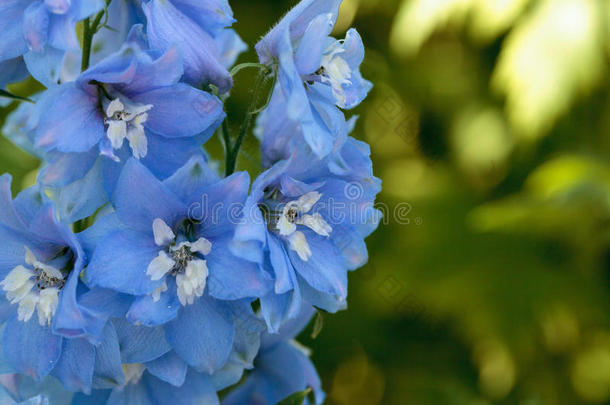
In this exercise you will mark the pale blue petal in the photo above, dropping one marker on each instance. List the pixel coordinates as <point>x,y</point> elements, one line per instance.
<point>163,71</point>
<point>12,71</point>
<point>191,177</point>
<point>75,366</point>
<point>140,344</point>
<point>169,368</point>
<point>147,312</point>
<point>167,26</point>
<point>13,43</point>
<point>325,270</point>
<point>73,123</point>
<point>202,334</point>
<point>197,389</point>
<point>36,26</point>
<point>308,56</point>
<point>180,110</point>
<point>29,348</point>
<point>108,372</point>
<point>121,260</point>
<point>82,198</point>
<point>232,278</point>
<point>152,200</point>
<point>64,168</point>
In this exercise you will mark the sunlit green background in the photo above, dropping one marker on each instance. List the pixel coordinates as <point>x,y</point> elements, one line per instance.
<point>489,124</point>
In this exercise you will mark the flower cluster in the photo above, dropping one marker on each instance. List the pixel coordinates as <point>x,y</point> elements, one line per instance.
<point>132,272</point>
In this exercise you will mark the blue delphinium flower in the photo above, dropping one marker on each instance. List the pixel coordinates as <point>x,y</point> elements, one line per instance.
<point>282,368</point>
<point>51,323</point>
<point>316,72</point>
<point>200,30</point>
<point>41,32</point>
<point>143,388</point>
<point>308,220</point>
<point>156,374</point>
<point>167,245</point>
<point>130,103</point>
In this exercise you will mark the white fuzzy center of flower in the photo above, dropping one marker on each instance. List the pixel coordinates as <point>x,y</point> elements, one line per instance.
<point>124,120</point>
<point>296,213</point>
<point>34,288</point>
<point>335,71</point>
<point>181,260</point>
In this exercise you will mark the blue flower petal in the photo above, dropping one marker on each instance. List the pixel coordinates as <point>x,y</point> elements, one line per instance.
<point>75,366</point>
<point>308,56</point>
<point>65,168</point>
<point>146,312</point>
<point>30,348</point>
<point>193,109</point>
<point>72,124</point>
<point>211,15</point>
<point>219,207</point>
<point>325,270</point>
<point>108,372</point>
<point>140,344</point>
<point>168,26</point>
<point>163,71</point>
<point>8,213</point>
<point>202,334</point>
<point>152,200</point>
<point>132,394</point>
<point>233,278</point>
<point>197,389</point>
<point>12,71</point>
<point>191,177</point>
<point>13,43</point>
<point>36,26</point>
<point>120,263</point>
<point>169,368</point>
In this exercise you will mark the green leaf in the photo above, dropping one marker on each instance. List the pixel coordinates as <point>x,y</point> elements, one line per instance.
<point>318,325</point>
<point>295,399</point>
<point>5,93</point>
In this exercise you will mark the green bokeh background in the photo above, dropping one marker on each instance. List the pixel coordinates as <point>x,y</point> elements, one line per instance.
<point>489,280</point>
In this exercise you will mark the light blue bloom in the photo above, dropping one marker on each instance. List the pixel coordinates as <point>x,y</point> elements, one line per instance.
<point>308,220</point>
<point>316,73</point>
<point>170,251</point>
<point>41,32</point>
<point>199,30</point>
<point>51,323</point>
<point>282,368</point>
<point>144,388</point>
<point>156,374</point>
<point>130,103</point>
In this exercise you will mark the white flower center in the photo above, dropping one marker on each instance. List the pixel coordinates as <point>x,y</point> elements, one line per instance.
<point>180,260</point>
<point>124,120</point>
<point>335,71</point>
<point>133,372</point>
<point>20,284</point>
<point>296,213</point>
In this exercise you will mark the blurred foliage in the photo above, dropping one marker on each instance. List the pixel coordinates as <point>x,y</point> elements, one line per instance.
<point>489,282</point>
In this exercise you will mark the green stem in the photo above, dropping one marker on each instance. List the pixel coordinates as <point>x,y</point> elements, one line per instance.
<point>246,65</point>
<point>89,30</point>
<point>87,39</point>
<point>231,160</point>
<point>224,130</point>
